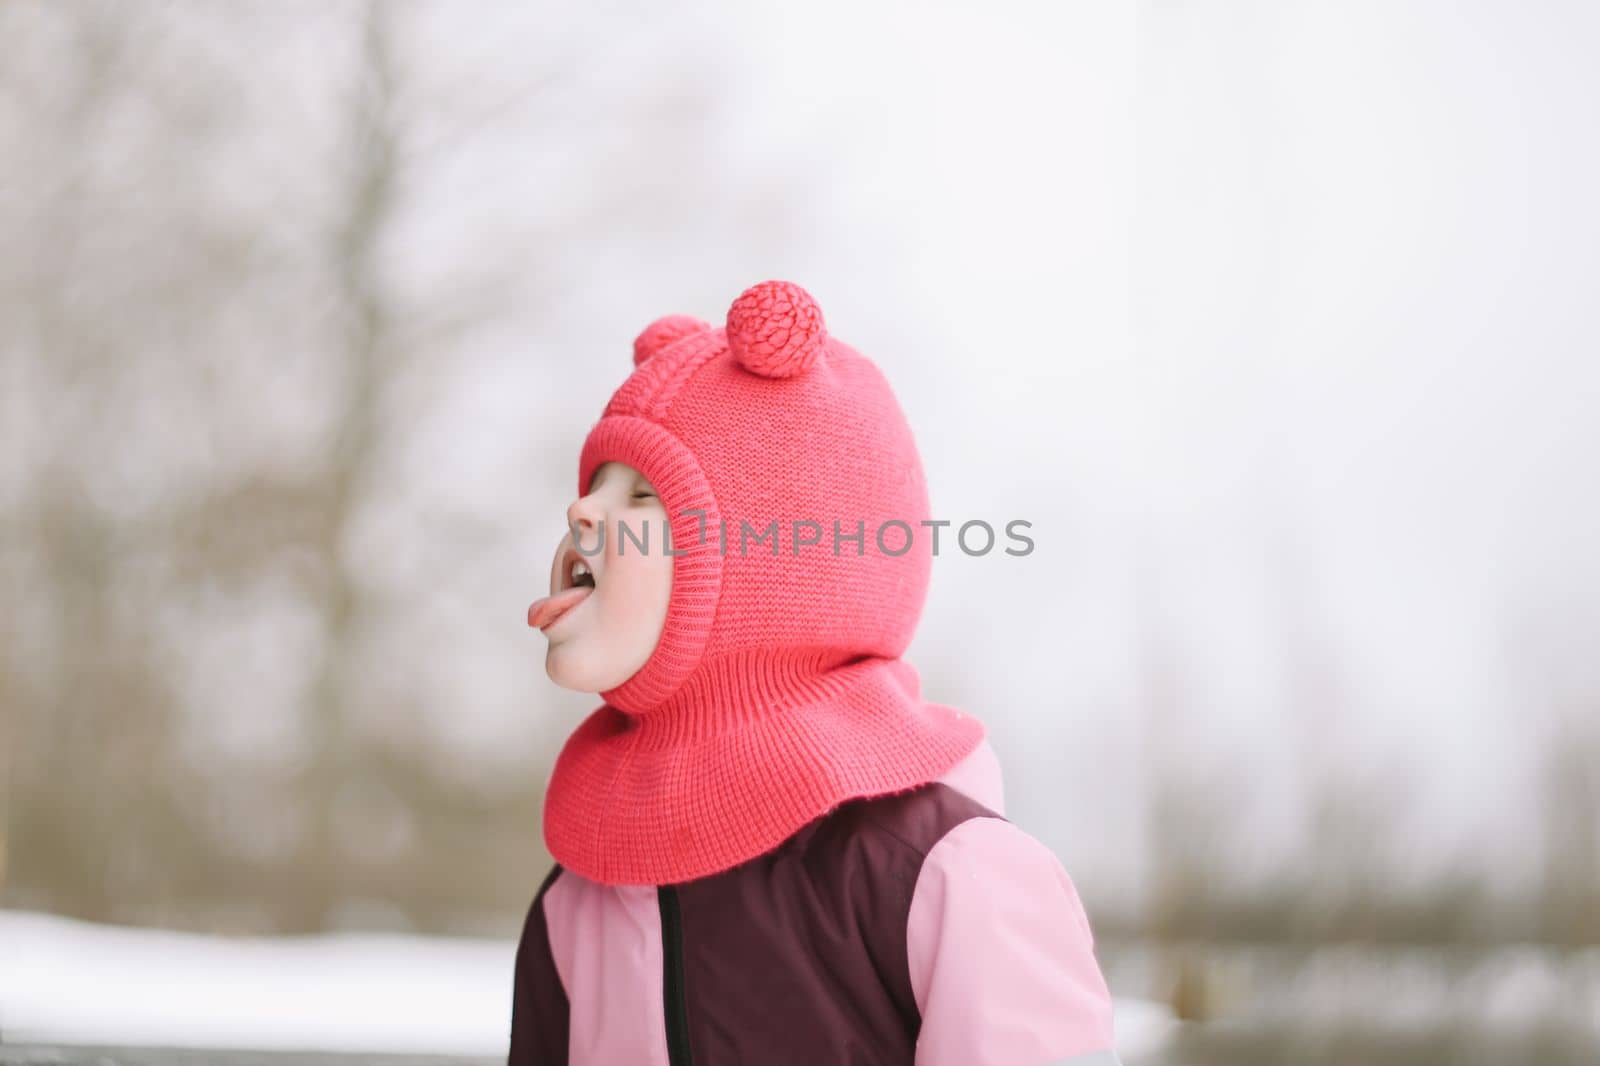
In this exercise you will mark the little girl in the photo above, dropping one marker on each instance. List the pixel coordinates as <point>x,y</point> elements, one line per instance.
<point>769,849</point>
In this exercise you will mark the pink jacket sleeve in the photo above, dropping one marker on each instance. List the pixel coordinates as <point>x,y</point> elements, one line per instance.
<point>1001,956</point>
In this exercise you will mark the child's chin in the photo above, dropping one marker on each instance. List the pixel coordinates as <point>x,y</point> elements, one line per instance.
<point>567,666</point>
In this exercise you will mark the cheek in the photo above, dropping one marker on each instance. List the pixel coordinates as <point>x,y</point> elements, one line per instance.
<point>639,586</point>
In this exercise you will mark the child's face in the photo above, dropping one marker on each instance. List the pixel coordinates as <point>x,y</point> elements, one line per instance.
<point>601,637</point>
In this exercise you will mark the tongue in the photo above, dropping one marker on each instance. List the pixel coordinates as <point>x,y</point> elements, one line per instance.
<point>547,610</point>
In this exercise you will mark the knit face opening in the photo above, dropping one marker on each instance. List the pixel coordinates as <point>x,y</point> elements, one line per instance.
<point>697,566</point>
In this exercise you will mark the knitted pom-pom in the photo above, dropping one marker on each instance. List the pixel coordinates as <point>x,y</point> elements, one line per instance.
<point>775,329</point>
<point>662,332</point>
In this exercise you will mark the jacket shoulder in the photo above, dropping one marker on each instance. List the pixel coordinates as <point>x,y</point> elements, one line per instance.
<point>556,870</point>
<point>1001,954</point>
<point>914,820</point>
<point>860,865</point>
<point>876,846</point>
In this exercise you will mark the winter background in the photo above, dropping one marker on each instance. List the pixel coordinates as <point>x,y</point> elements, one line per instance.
<point>1277,320</point>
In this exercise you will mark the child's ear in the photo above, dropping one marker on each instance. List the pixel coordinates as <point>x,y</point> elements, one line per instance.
<point>664,332</point>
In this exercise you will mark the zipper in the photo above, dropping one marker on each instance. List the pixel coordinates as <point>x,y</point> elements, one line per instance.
<point>672,955</point>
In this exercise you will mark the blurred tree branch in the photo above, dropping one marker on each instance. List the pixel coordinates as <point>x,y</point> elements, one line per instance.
<point>226,334</point>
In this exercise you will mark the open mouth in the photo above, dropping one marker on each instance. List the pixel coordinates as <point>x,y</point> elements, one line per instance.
<point>576,583</point>
<point>575,571</point>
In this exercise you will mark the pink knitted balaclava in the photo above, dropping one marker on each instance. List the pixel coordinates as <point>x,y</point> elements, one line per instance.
<point>776,691</point>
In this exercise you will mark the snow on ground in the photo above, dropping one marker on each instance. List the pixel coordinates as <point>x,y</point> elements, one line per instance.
<point>70,982</point>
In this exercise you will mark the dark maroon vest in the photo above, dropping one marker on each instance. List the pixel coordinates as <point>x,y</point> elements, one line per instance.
<point>797,956</point>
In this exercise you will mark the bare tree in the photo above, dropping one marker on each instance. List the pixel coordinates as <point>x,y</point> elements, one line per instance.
<point>180,233</point>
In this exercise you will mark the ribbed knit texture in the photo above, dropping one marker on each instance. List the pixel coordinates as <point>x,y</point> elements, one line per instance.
<point>776,691</point>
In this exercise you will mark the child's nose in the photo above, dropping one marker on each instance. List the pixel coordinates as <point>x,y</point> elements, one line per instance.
<point>584,514</point>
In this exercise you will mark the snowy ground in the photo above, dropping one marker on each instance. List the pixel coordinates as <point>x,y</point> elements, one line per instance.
<point>71,982</point>
<point>68,984</point>
<point>75,1055</point>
